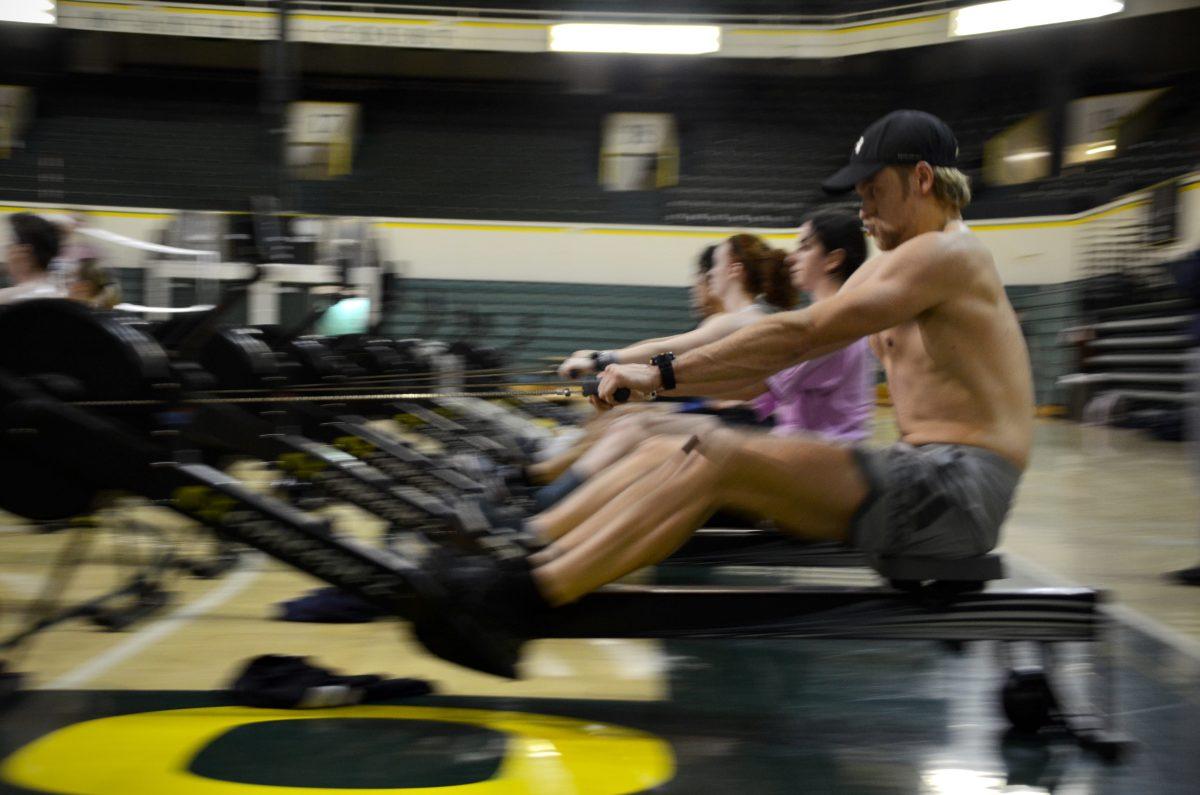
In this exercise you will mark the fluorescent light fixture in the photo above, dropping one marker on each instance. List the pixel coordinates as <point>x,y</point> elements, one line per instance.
<point>1019,156</point>
<point>40,12</point>
<point>1013,14</point>
<point>640,39</point>
<point>1095,150</point>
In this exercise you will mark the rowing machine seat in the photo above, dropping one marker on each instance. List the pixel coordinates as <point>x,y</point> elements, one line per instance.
<point>959,575</point>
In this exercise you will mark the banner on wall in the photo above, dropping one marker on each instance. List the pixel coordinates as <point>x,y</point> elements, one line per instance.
<point>16,108</point>
<point>1019,154</point>
<point>320,140</point>
<point>639,151</point>
<point>1094,123</point>
<point>261,23</point>
<point>377,25</point>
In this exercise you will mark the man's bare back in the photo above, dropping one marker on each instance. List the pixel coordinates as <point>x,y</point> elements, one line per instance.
<point>959,373</point>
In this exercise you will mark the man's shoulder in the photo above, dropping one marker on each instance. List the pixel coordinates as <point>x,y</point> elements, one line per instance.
<point>953,243</point>
<point>951,253</point>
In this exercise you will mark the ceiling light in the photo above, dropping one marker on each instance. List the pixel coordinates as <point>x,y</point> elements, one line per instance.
<point>39,12</point>
<point>1019,156</point>
<point>1013,14</point>
<point>641,39</point>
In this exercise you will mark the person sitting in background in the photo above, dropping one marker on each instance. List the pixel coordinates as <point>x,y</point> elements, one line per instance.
<point>33,245</point>
<point>830,397</point>
<point>74,252</point>
<point>92,285</point>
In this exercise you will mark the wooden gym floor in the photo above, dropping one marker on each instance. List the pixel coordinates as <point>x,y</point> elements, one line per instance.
<point>1101,507</point>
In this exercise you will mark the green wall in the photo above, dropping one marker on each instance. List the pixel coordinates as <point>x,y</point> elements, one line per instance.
<point>577,316</point>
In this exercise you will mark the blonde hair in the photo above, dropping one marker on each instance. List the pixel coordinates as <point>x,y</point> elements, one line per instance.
<point>951,187</point>
<point>103,292</point>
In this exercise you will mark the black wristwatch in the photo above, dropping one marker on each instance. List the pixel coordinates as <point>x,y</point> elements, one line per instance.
<point>665,369</point>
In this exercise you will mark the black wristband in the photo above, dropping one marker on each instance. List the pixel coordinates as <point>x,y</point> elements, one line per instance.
<point>665,369</point>
<point>603,359</point>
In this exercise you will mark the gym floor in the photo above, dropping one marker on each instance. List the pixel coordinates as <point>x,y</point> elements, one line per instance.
<point>142,711</point>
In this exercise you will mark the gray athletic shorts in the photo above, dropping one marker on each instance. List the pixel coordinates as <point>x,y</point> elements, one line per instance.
<point>936,500</point>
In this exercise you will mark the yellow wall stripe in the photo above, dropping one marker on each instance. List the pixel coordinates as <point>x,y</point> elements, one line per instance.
<point>1089,217</point>
<point>831,31</point>
<point>81,3</point>
<point>150,216</point>
<point>984,226</point>
<point>471,227</point>
<point>509,25</point>
<point>212,12</point>
<point>655,232</point>
<point>364,20</point>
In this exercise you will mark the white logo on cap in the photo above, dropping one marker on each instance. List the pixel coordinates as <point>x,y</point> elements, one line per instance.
<point>858,146</point>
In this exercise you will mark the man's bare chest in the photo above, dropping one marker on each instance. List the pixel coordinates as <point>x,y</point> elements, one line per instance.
<point>898,344</point>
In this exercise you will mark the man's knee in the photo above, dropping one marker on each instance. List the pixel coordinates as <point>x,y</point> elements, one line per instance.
<point>720,444</point>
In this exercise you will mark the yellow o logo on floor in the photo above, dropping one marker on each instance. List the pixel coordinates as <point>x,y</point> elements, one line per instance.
<point>148,753</point>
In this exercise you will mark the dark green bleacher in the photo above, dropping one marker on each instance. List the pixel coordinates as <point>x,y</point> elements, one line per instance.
<point>1045,310</point>
<point>568,316</point>
<point>575,316</point>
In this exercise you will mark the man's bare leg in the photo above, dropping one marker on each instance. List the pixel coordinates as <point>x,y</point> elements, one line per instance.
<point>807,487</point>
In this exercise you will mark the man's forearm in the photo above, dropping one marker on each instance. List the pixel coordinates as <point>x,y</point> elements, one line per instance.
<point>750,354</point>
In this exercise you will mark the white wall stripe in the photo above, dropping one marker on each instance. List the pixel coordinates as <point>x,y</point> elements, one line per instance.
<point>236,582</point>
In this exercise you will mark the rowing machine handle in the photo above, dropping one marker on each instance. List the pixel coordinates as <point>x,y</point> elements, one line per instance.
<point>591,387</point>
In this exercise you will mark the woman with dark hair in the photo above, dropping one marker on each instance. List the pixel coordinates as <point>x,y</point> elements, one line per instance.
<point>832,396</point>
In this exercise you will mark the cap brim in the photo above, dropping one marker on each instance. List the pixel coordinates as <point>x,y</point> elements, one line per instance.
<point>850,176</point>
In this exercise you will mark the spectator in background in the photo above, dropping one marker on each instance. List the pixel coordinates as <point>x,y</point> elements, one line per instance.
<point>33,244</point>
<point>1187,275</point>
<point>75,252</point>
<point>92,285</point>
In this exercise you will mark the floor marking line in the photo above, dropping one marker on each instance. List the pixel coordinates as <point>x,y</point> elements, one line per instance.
<point>1127,615</point>
<point>152,633</point>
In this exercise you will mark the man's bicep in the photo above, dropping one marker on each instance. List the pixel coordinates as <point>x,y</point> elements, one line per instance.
<point>886,299</point>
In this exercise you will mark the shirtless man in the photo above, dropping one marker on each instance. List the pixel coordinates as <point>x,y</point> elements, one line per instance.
<point>959,376</point>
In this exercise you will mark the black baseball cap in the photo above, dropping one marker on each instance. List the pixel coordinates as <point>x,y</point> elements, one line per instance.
<point>903,137</point>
